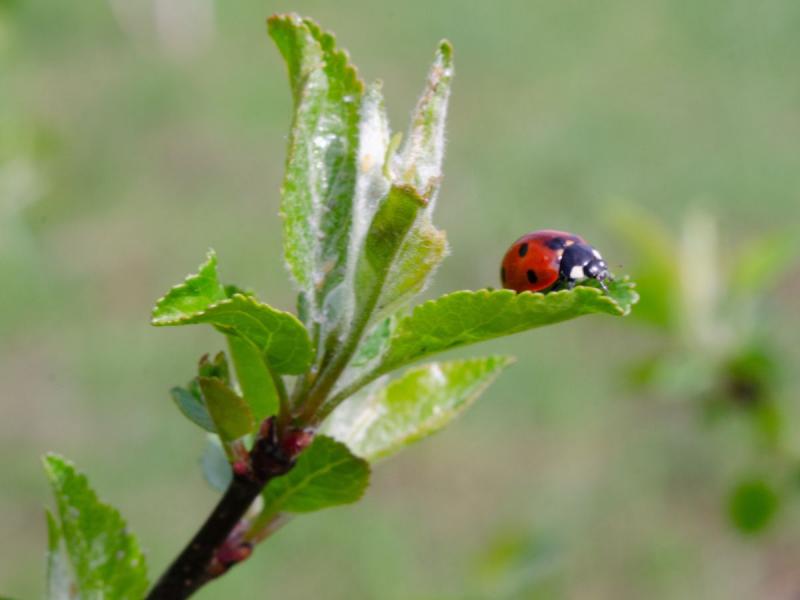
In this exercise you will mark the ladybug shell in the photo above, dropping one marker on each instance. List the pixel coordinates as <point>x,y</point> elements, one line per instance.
<point>532,262</point>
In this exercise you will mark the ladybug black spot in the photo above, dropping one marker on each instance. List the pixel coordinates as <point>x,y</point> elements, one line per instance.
<point>556,243</point>
<point>532,278</point>
<point>523,249</point>
<point>503,275</point>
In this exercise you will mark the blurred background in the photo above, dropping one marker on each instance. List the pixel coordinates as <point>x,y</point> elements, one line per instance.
<point>656,456</point>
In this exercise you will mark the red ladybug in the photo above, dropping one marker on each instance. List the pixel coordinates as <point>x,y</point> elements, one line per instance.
<point>548,260</point>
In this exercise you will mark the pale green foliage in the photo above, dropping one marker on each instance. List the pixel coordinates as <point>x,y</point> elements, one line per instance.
<point>385,419</point>
<point>326,474</point>
<point>216,468</point>
<point>193,407</point>
<point>59,578</point>
<point>105,558</point>
<point>321,159</point>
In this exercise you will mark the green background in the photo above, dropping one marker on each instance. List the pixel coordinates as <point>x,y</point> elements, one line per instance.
<point>136,134</point>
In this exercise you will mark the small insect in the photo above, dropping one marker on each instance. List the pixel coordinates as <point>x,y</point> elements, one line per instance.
<point>548,260</point>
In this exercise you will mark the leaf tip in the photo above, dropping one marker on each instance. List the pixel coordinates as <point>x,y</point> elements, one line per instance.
<point>445,51</point>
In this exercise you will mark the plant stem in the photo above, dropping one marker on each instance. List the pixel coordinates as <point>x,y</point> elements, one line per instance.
<point>193,566</point>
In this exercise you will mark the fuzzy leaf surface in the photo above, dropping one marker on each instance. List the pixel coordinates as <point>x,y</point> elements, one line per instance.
<point>419,164</point>
<point>326,474</point>
<point>321,165</point>
<point>468,317</point>
<point>423,401</point>
<point>59,579</point>
<point>105,557</point>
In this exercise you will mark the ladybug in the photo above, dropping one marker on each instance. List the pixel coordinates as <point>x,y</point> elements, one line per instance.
<point>548,260</point>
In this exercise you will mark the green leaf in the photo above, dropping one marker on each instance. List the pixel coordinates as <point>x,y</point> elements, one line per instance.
<point>231,415</point>
<point>105,557</point>
<point>278,335</point>
<point>392,222</point>
<point>326,474</point>
<point>423,250</point>
<point>374,343</point>
<point>193,407</point>
<point>194,295</point>
<point>424,400</point>
<point>467,317</point>
<point>752,505</point>
<point>321,165</point>
<point>59,579</point>
<point>216,468</point>
<point>218,367</point>
<point>255,380</point>
<point>419,162</point>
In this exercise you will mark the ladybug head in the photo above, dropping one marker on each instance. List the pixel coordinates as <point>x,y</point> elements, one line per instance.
<point>581,261</point>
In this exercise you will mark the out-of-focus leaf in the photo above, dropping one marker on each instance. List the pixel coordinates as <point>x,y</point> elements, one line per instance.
<point>326,474</point>
<point>760,264</point>
<point>105,557</point>
<point>467,317</point>
<point>258,387</point>
<point>654,266</point>
<point>278,335</point>
<point>59,579</point>
<point>193,407</point>
<point>231,415</point>
<point>216,468</point>
<point>418,404</point>
<point>321,166</point>
<point>752,505</point>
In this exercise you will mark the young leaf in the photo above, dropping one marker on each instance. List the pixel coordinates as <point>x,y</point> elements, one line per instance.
<point>424,248</point>
<point>421,402</point>
<point>419,162</point>
<point>392,222</point>
<point>193,407</point>
<point>321,162</point>
<point>374,343</point>
<point>258,387</point>
<point>466,317</point>
<point>231,415</point>
<point>326,474</point>
<point>105,557</point>
<point>59,579</point>
<point>216,468</point>
<point>278,335</point>
<point>194,295</point>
